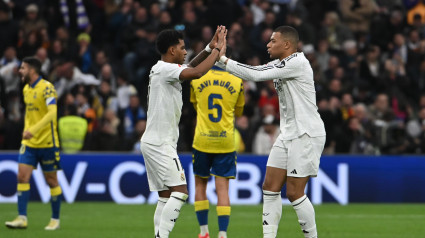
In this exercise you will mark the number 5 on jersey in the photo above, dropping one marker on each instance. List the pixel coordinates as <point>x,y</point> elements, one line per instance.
<point>212,106</point>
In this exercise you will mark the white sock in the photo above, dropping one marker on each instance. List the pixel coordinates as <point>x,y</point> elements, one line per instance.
<point>222,234</point>
<point>170,213</point>
<point>23,217</point>
<point>204,230</point>
<point>272,211</point>
<point>158,211</point>
<point>306,216</point>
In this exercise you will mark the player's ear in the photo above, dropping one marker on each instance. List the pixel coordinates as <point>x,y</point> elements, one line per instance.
<point>172,50</point>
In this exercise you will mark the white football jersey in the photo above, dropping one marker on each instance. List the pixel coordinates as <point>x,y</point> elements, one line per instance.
<point>164,104</point>
<point>293,81</point>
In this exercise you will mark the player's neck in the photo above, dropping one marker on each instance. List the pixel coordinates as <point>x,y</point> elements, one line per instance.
<point>33,78</point>
<point>286,54</point>
<point>168,58</point>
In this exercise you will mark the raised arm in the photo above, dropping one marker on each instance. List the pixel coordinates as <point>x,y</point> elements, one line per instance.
<point>206,52</point>
<point>203,67</point>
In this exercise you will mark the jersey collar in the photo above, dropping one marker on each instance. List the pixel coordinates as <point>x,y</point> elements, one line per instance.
<point>35,83</point>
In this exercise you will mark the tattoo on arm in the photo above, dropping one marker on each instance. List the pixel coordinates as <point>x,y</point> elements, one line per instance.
<point>199,58</point>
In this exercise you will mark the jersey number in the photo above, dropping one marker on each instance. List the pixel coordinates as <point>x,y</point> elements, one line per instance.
<point>177,164</point>
<point>211,106</point>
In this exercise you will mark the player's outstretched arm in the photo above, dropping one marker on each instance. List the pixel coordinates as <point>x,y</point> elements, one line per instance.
<point>258,73</point>
<point>205,65</point>
<point>204,53</point>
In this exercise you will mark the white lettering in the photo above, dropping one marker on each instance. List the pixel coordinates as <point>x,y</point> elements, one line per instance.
<point>250,184</point>
<point>115,178</point>
<point>70,190</point>
<point>338,190</point>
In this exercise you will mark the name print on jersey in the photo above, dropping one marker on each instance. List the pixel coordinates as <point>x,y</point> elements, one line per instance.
<point>221,83</point>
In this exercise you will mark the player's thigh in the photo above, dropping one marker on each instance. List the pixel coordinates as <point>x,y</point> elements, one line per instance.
<point>224,165</point>
<point>304,156</point>
<point>278,157</point>
<point>28,156</point>
<point>49,159</point>
<point>275,179</point>
<point>295,187</point>
<point>202,163</point>
<point>163,167</point>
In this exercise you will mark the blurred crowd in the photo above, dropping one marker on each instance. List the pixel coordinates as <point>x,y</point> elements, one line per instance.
<point>368,59</point>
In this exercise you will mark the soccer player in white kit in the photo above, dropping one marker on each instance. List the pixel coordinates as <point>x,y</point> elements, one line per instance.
<point>295,156</point>
<point>159,142</point>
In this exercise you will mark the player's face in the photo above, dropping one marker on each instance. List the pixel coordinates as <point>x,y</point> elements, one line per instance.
<point>181,52</point>
<point>276,46</point>
<point>24,71</point>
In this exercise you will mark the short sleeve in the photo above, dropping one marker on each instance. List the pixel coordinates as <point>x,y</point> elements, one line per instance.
<point>49,94</point>
<point>172,72</point>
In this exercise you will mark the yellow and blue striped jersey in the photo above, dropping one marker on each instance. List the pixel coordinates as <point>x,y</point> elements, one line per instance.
<point>216,96</point>
<point>38,97</point>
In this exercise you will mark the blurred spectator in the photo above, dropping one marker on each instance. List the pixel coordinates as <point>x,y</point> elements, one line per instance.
<point>106,138</point>
<point>72,131</point>
<point>70,76</point>
<point>246,131</point>
<point>31,42</point>
<point>106,74</point>
<point>9,65</point>
<point>84,52</point>
<point>371,68</point>
<point>265,136</point>
<point>106,96</point>
<point>45,61</point>
<point>32,21</point>
<point>100,60</point>
<point>132,114</point>
<point>306,32</point>
<point>334,32</point>
<point>85,110</point>
<point>134,140</point>
<point>8,28</point>
<point>357,14</point>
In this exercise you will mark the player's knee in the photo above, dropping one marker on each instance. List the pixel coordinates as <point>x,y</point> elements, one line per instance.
<point>270,187</point>
<point>293,195</point>
<point>180,189</point>
<point>23,178</point>
<point>52,182</point>
<point>180,196</point>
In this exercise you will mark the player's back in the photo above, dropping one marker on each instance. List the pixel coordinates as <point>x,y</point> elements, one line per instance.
<point>216,95</point>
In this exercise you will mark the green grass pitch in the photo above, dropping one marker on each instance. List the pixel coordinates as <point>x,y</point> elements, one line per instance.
<point>104,219</point>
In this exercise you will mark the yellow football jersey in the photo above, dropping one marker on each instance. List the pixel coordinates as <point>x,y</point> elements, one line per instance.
<point>215,97</point>
<point>37,98</point>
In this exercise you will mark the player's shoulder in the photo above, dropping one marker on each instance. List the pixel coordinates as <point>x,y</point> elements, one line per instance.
<point>44,83</point>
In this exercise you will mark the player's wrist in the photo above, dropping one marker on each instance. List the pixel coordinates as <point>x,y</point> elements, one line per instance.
<point>223,59</point>
<point>208,48</point>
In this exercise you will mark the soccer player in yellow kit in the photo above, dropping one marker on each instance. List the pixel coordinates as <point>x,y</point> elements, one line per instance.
<point>217,97</point>
<point>40,143</point>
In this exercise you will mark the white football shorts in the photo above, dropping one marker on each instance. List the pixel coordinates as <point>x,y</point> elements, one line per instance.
<point>300,157</point>
<point>163,166</point>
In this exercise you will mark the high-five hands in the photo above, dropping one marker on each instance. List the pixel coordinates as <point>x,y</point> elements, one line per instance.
<point>221,43</point>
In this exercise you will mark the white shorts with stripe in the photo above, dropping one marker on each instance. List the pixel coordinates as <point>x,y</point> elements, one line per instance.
<point>163,166</point>
<point>300,156</point>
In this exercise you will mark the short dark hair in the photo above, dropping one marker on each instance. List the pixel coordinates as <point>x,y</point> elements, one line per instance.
<point>33,63</point>
<point>167,38</point>
<point>289,33</point>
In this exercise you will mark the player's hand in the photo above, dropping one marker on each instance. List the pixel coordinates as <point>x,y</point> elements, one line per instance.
<point>26,135</point>
<point>222,38</point>
<point>223,49</point>
<point>214,40</point>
